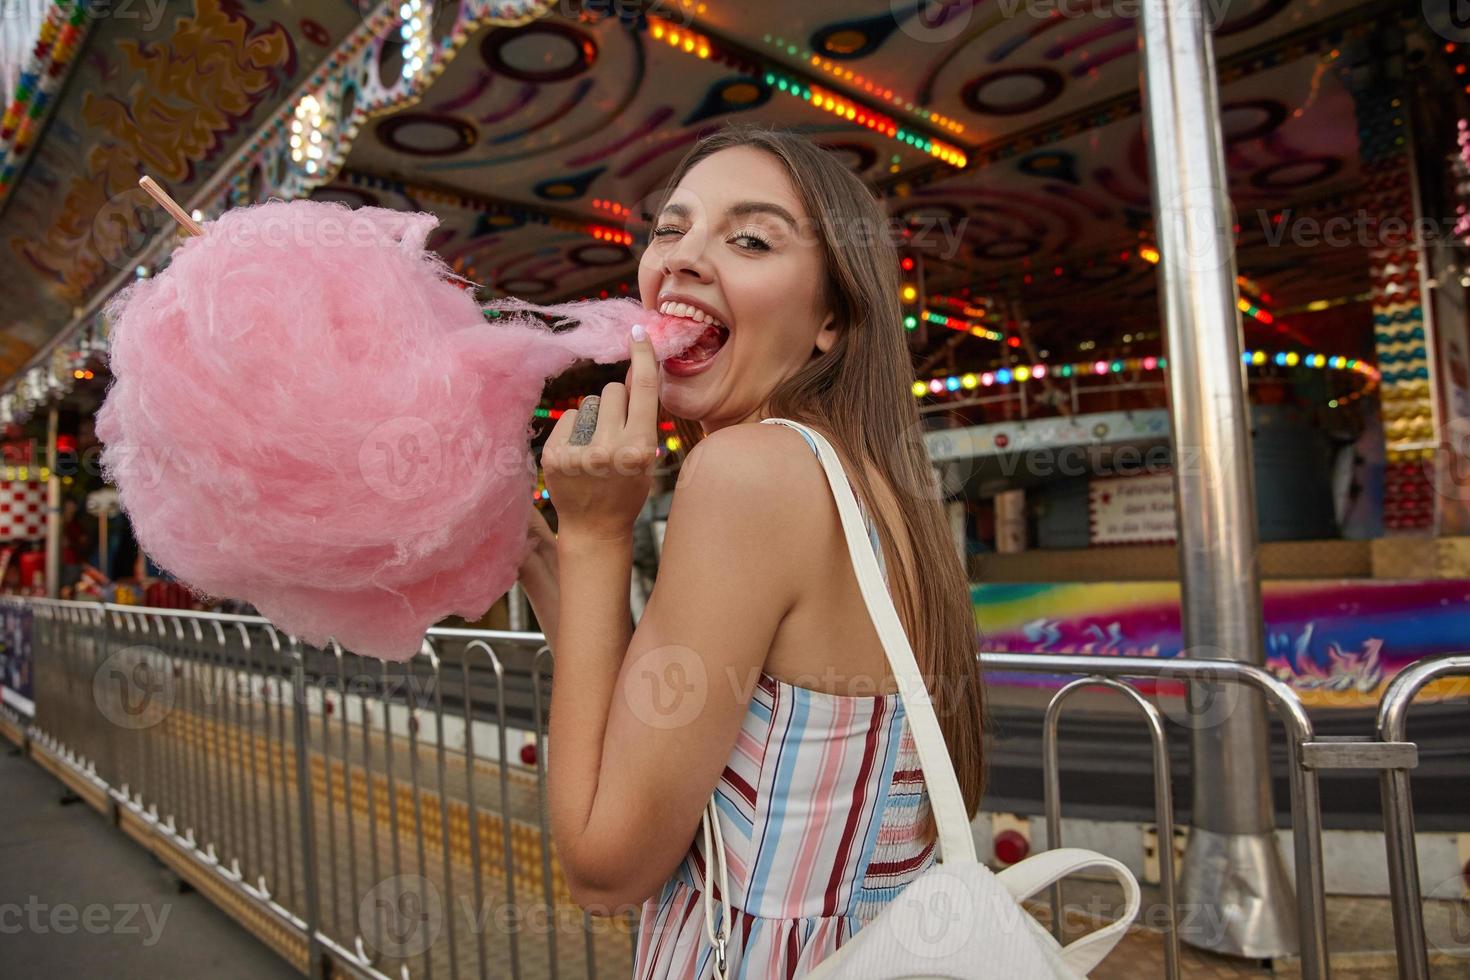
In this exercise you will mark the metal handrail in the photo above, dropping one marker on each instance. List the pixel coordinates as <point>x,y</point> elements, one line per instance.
<point>1306,804</point>
<point>1398,812</point>
<point>1163,803</point>
<point>193,788</point>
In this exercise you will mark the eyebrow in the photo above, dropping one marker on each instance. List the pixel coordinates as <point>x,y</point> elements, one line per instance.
<point>740,209</point>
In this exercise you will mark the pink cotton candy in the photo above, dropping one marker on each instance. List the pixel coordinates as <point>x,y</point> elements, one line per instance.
<point>308,414</point>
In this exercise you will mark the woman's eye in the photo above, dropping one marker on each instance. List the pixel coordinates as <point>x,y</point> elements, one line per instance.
<point>664,230</point>
<point>759,243</point>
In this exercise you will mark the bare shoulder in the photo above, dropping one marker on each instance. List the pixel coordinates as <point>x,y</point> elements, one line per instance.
<point>763,478</point>
<point>740,524</point>
<point>769,461</point>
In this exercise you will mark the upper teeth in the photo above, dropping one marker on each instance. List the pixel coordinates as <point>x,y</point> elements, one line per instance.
<point>690,312</point>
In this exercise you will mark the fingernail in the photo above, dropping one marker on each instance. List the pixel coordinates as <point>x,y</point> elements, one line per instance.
<point>639,333</point>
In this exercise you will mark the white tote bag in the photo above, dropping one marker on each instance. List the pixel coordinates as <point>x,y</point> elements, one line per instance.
<point>958,919</point>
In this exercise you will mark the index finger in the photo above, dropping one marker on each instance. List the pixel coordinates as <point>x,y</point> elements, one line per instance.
<point>642,420</point>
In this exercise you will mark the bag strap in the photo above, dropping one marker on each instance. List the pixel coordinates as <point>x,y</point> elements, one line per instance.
<point>1027,878</point>
<point>956,841</point>
<point>718,939</point>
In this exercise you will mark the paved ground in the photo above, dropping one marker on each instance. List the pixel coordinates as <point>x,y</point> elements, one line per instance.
<point>77,898</point>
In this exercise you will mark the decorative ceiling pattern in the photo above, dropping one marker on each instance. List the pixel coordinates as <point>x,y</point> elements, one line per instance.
<point>172,97</point>
<point>1005,138</point>
<point>539,145</point>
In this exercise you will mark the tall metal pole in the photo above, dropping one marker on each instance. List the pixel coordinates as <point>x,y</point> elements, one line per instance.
<point>1233,876</point>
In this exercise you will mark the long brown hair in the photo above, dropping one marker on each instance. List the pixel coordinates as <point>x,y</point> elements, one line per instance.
<point>859,395</point>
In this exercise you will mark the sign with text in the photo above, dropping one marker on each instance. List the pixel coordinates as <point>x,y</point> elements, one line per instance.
<point>1132,510</point>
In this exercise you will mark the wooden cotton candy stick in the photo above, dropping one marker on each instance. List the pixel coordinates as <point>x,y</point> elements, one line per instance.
<point>170,205</point>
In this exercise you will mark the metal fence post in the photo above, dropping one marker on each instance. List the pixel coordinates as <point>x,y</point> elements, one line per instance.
<point>1398,814</point>
<point>1163,804</point>
<point>306,804</point>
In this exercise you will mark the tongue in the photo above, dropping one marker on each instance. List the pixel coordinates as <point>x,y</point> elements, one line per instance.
<point>705,346</point>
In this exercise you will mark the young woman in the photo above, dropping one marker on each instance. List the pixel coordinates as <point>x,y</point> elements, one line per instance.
<point>755,672</point>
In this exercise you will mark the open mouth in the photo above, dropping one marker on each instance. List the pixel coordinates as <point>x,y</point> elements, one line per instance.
<point>705,346</point>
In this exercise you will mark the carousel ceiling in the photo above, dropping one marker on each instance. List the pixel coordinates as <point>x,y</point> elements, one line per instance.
<point>171,90</point>
<point>538,144</point>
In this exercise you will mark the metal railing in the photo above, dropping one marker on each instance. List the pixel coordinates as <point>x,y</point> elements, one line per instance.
<point>1204,676</point>
<point>374,809</point>
<point>1409,939</point>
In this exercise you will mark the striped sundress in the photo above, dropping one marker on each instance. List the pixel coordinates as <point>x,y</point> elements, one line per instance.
<point>820,808</point>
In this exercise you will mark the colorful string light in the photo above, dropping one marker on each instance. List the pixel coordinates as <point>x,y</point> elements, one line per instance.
<point>678,37</point>
<point>877,91</point>
<point>57,43</point>
<point>311,133</point>
<point>843,108</point>
<point>414,31</point>
<point>955,323</point>
<point>1100,367</point>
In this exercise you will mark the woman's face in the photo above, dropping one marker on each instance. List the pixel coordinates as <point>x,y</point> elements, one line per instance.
<point>734,240</point>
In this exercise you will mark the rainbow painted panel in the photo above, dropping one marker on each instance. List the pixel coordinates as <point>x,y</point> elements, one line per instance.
<point>1337,642</point>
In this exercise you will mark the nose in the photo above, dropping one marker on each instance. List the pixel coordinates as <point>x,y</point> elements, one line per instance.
<point>687,256</point>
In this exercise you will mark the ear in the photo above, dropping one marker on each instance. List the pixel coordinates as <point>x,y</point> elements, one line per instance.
<point>827,336</point>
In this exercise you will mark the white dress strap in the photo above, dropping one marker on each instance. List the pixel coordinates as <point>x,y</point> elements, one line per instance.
<point>956,840</point>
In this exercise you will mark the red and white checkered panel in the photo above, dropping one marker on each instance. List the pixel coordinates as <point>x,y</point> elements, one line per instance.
<point>22,510</point>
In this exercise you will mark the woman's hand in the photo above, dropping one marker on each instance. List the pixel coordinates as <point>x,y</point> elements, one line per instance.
<point>599,488</point>
<point>538,576</point>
